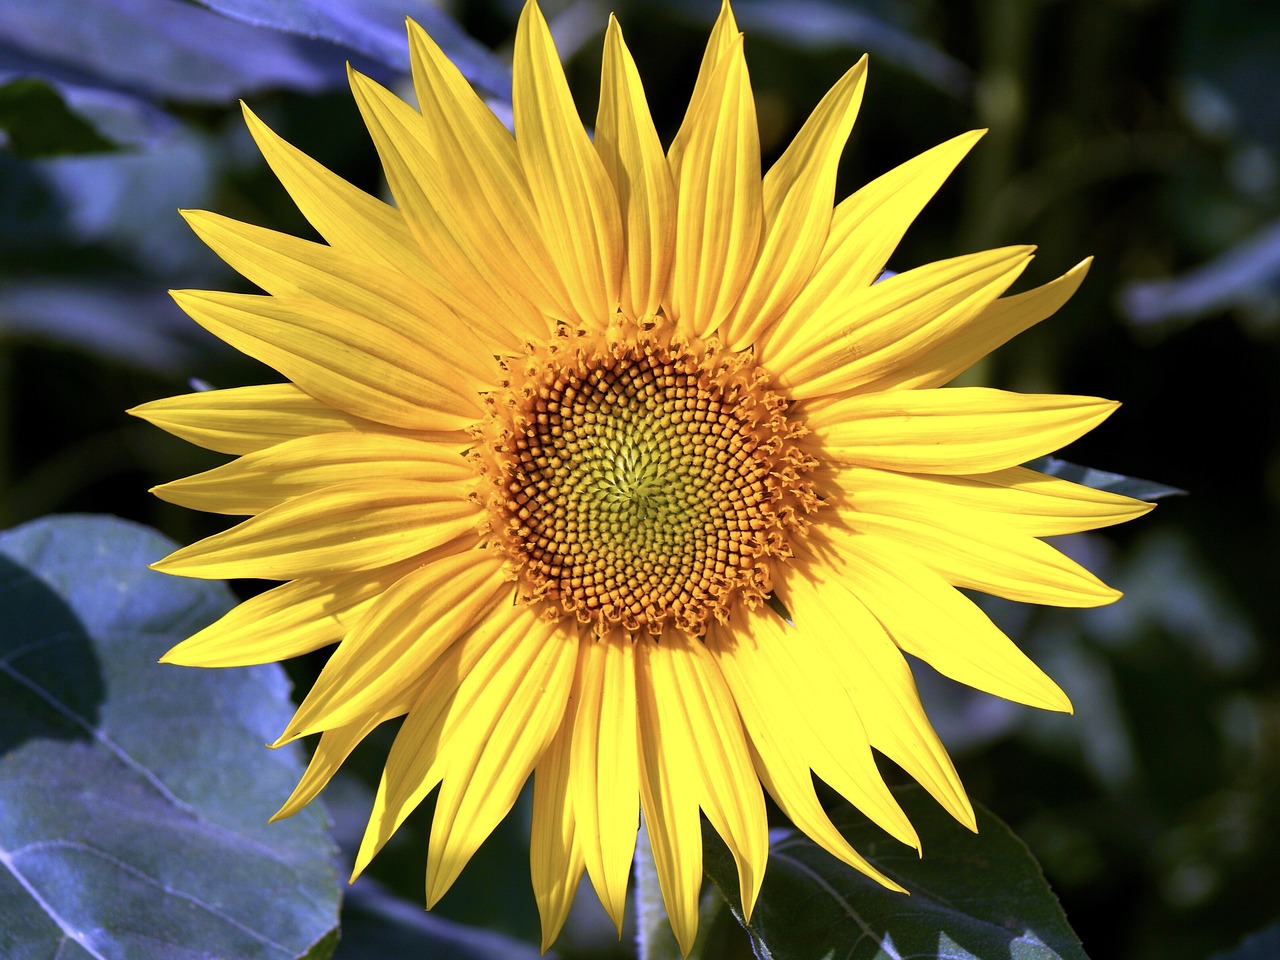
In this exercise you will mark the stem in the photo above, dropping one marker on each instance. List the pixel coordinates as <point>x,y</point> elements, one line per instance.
<point>1001,107</point>
<point>7,517</point>
<point>654,939</point>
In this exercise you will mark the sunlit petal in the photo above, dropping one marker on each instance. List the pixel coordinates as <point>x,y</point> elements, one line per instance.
<point>625,470</point>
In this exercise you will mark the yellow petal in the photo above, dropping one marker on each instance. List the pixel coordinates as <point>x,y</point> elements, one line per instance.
<point>349,361</point>
<point>415,763</point>
<point>829,616</point>
<point>331,752</point>
<point>354,526</point>
<point>798,192</point>
<point>694,754</point>
<point>629,148</point>
<point>352,221</point>
<point>347,217</point>
<point>1021,499</point>
<point>289,267</point>
<point>971,549</point>
<point>412,623</point>
<point>952,430</point>
<point>486,199</point>
<point>865,229</point>
<point>505,714</point>
<point>669,798</point>
<point>881,327</point>
<point>241,420</point>
<point>724,34</point>
<point>439,187</point>
<point>930,619</point>
<point>278,624</point>
<point>789,694</point>
<point>790,783</point>
<point>605,767</point>
<point>720,207</point>
<point>555,856</point>
<point>261,480</point>
<point>336,745</point>
<point>965,344</point>
<point>576,203</point>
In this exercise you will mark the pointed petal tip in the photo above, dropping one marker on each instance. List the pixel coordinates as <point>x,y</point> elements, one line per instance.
<point>433,892</point>
<point>961,809</point>
<point>1104,596</point>
<point>286,738</point>
<point>357,868</point>
<point>174,656</point>
<point>1055,700</point>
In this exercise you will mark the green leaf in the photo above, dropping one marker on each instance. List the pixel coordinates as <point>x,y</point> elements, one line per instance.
<point>37,122</point>
<point>134,796</point>
<point>972,897</point>
<point>1104,480</point>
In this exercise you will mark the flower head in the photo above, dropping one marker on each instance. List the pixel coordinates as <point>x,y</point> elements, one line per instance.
<point>615,466</point>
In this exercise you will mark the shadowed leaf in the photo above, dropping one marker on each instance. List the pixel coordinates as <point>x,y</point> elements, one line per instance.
<point>134,797</point>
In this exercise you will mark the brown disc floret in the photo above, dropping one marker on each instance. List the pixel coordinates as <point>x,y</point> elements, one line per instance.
<point>642,481</point>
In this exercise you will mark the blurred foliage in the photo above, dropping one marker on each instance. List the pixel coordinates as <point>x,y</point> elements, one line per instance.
<point>1144,133</point>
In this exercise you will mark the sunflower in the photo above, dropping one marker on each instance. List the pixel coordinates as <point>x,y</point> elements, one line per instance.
<point>617,467</point>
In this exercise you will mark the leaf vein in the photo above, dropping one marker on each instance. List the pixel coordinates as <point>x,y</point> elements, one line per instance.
<point>133,871</point>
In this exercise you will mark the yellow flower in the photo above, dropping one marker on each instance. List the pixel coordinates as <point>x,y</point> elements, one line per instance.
<point>616,467</point>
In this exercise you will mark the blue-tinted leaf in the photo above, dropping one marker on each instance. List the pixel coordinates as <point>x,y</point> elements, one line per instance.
<point>118,116</point>
<point>134,796</point>
<point>376,925</point>
<point>128,201</point>
<point>36,121</point>
<point>376,29</point>
<point>973,897</point>
<point>1245,274</point>
<point>140,326</point>
<point>826,24</point>
<point>1104,480</point>
<point>166,49</point>
<point>1263,945</point>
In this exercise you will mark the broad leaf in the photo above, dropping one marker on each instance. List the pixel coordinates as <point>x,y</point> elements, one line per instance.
<point>376,28</point>
<point>189,54</point>
<point>134,796</point>
<point>1263,945</point>
<point>821,25</point>
<point>971,897</point>
<point>132,323</point>
<point>37,122</point>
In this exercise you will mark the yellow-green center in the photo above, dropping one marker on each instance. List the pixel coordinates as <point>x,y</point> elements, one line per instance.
<point>640,484</point>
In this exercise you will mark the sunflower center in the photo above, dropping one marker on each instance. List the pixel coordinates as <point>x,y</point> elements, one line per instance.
<point>642,482</point>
